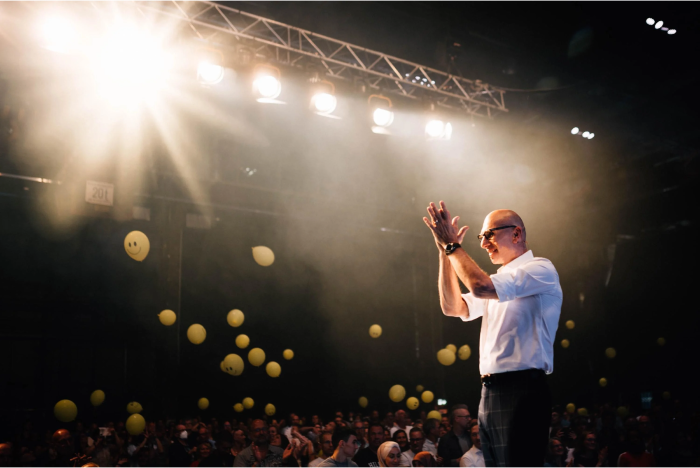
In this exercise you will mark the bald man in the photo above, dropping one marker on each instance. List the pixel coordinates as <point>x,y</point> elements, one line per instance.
<point>520,307</point>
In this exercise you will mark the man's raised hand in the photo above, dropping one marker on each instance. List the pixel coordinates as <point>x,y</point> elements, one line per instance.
<point>444,231</point>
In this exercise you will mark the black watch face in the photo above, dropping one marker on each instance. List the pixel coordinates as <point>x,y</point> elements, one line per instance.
<point>450,247</point>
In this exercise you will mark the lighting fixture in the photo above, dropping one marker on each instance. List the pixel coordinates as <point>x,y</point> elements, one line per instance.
<point>266,83</point>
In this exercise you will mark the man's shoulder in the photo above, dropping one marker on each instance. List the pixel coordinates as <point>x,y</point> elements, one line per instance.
<point>274,449</point>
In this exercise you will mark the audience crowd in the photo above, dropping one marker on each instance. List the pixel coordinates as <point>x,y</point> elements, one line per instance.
<point>605,437</point>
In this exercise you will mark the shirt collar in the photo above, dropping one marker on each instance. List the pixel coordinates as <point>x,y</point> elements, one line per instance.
<point>524,258</point>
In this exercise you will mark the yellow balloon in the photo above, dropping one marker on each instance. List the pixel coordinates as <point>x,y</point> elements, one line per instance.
<point>603,382</point>
<point>222,366</point>
<point>667,395</point>
<point>248,403</point>
<point>375,331</point>
<point>446,357</point>
<point>623,411</point>
<point>242,341</point>
<point>610,352</point>
<point>288,354</point>
<point>412,403</point>
<point>134,407</point>
<point>235,318</point>
<point>435,415</point>
<point>167,317</point>
<point>363,402</point>
<point>135,424</point>
<point>397,393</point>
<point>263,256</point>
<point>238,408</point>
<point>661,341</point>
<point>196,334</point>
<point>137,245</point>
<point>270,409</point>
<point>427,396</point>
<point>203,403</point>
<point>582,412</point>
<point>464,352</point>
<point>273,369</point>
<point>419,388</point>
<point>97,397</point>
<point>565,343</point>
<point>451,347</point>
<point>233,364</point>
<point>256,357</point>
<point>571,408</point>
<point>570,324</point>
<point>65,411</point>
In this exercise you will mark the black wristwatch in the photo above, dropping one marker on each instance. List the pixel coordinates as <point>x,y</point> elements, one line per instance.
<point>451,247</point>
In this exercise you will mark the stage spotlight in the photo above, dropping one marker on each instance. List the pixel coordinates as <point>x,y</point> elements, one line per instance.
<point>324,102</point>
<point>209,74</point>
<point>210,70</point>
<point>650,21</point>
<point>672,31</point>
<point>658,24</point>
<point>382,115</point>
<point>585,134</point>
<point>591,135</point>
<point>266,83</point>
<point>58,35</point>
<point>130,65</point>
<point>438,130</point>
<point>574,131</point>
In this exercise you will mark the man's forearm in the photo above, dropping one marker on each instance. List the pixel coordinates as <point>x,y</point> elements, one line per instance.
<point>451,300</point>
<point>474,278</point>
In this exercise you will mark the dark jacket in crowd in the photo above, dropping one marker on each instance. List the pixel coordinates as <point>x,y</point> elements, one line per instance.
<point>450,449</point>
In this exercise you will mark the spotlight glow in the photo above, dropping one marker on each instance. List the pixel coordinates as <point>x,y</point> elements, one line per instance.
<point>210,74</point>
<point>130,65</point>
<point>574,131</point>
<point>672,31</point>
<point>437,129</point>
<point>650,21</point>
<point>58,35</point>
<point>268,86</point>
<point>658,24</point>
<point>383,117</point>
<point>585,134</point>
<point>324,103</point>
<point>591,135</point>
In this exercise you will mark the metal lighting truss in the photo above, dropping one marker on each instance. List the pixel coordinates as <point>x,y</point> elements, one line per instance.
<point>293,46</point>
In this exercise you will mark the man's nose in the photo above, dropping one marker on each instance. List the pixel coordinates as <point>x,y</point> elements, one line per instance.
<point>485,243</point>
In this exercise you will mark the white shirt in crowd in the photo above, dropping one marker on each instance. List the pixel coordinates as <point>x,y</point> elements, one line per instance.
<point>407,458</point>
<point>431,447</point>
<point>395,428</point>
<point>472,457</point>
<point>518,329</point>
<point>317,461</point>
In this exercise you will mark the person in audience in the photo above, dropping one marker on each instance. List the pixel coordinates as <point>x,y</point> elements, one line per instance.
<point>401,438</point>
<point>424,459</point>
<point>431,429</point>
<point>586,452</point>
<point>259,452</point>
<point>239,442</point>
<point>325,442</point>
<point>556,454</point>
<point>474,456</point>
<point>179,452</point>
<point>344,445</point>
<point>635,454</point>
<point>389,454</point>
<point>368,456</point>
<point>361,432</point>
<point>416,446</point>
<point>456,442</point>
<point>202,455</point>
<point>400,423</point>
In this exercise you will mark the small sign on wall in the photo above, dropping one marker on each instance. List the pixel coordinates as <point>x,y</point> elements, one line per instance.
<point>99,193</point>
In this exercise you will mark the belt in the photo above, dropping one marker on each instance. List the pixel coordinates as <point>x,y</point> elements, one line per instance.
<point>508,377</point>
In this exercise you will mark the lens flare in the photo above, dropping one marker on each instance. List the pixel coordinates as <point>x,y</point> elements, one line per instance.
<point>574,131</point>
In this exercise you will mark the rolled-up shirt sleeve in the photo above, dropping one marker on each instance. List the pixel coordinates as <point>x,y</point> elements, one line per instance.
<point>476,306</point>
<point>533,278</point>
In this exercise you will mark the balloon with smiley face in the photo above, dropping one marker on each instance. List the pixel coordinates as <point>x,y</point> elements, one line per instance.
<point>412,403</point>
<point>137,245</point>
<point>134,407</point>
<point>375,331</point>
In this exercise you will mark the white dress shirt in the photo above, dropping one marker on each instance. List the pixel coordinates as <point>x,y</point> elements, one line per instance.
<point>472,457</point>
<point>518,329</point>
<point>431,447</point>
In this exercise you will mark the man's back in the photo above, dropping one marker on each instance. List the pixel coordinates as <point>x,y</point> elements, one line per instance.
<point>366,457</point>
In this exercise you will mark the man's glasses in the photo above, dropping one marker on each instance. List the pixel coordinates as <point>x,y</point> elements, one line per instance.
<point>488,234</point>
